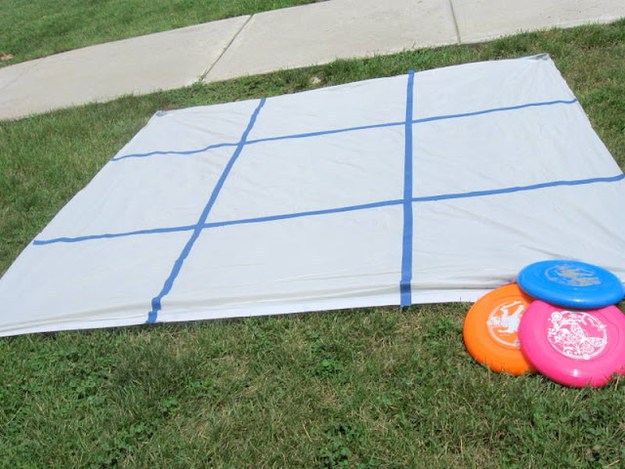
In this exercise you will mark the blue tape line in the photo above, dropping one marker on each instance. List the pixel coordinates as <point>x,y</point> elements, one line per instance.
<point>406,255</point>
<point>243,221</point>
<point>78,239</point>
<point>348,129</point>
<point>488,111</point>
<point>174,152</point>
<point>326,132</point>
<point>507,190</point>
<point>261,140</point>
<point>156,301</point>
<point>351,208</point>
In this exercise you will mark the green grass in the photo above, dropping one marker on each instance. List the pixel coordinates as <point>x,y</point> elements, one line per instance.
<point>368,388</point>
<point>36,28</point>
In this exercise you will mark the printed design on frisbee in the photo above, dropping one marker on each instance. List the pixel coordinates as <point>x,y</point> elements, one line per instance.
<point>503,323</point>
<point>577,335</point>
<point>573,276</point>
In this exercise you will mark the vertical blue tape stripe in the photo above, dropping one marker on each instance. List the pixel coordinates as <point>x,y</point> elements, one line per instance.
<point>406,257</point>
<point>156,301</point>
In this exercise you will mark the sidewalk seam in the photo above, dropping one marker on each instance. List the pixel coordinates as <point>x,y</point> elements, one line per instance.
<point>236,35</point>
<point>38,64</point>
<point>453,17</point>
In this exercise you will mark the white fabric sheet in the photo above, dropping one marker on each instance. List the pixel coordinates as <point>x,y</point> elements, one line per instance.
<point>329,199</point>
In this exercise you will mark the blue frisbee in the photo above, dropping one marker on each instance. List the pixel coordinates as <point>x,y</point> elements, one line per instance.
<point>571,284</point>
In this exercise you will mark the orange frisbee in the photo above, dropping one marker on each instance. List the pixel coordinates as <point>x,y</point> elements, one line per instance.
<point>491,330</point>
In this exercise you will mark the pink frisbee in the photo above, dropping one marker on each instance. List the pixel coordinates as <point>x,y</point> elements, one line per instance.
<point>575,348</point>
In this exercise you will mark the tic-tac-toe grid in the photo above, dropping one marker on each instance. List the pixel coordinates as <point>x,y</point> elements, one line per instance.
<point>388,191</point>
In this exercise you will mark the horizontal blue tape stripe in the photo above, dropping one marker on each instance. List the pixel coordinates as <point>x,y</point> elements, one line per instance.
<point>219,224</point>
<point>114,235</point>
<point>350,208</point>
<point>348,129</point>
<point>174,152</point>
<point>326,132</point>
<point>488,111</point>
<point>507,190</point>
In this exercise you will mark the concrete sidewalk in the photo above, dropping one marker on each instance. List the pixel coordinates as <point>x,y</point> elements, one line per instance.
<point>288,38</point>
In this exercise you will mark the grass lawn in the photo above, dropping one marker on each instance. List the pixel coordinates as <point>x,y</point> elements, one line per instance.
<point>36,28</point>
<point>367,388</point>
